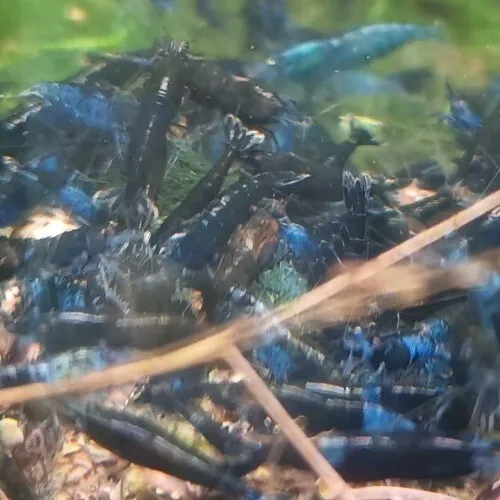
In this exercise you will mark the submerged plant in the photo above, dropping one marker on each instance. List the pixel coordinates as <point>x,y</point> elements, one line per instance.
<point>281,284</point>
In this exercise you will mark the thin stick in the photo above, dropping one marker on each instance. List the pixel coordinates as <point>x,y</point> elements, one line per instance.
<point>392,256</point>
<point>191,355</point>
<point>203,349</point>
<point>397,493</point>
<point>338,488</point>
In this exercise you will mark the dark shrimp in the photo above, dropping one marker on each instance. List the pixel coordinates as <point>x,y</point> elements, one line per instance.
<point>59,331</point>
<point>408,455</point>
<point>244,455</point>
<point>240,140</point>
<point>14,129</point>
<point>162,97</point>
<point>190,384</point>
<point>211,86</point>
<point>291,131</point>
<point>150,445</point>
<point>323,243</point>
<point>399,398</point>
<point>356,195</point>
<point>324,414</point>
<point>325,182</point>
<point>66,248</point>
<point>216,224</point>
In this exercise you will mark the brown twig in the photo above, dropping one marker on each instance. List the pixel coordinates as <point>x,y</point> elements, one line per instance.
<point>397,493</point>
<point>337,487</point>
<point>399,287</point>
<point>209,346</point>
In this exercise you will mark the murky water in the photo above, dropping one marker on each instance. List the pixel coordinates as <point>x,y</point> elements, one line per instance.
<point>47,40</point>
<point>43,40</point>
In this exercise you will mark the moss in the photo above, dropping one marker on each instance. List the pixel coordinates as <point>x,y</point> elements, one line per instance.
<point>280,284</point>
<point>186,167</point>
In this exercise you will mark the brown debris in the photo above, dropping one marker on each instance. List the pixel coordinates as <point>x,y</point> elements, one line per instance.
<point>31,466</point>
<point>412,193</point>
<point>250,248</point>
<point>82,469</point>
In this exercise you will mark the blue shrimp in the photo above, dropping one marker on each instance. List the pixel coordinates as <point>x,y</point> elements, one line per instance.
<point>324,414</point>
<point>78,203</point>
<point>165,5</point>
<point>356,344</point>
<point>426,347</point>
<point>461,117</point>
<point>407,455</point>
<point>76,195</point>
<point>313,251</point>
<point>83,109</point>
<point>22,188</point>
<point>80,287</point>
<point>42,295</point>
<point>65,365</point>
<point>315,60</point>
<point>81,104</point>
<point>296,241</point>
<point>282,357</point>
<point>48,180</point>
<point>364,83</point>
